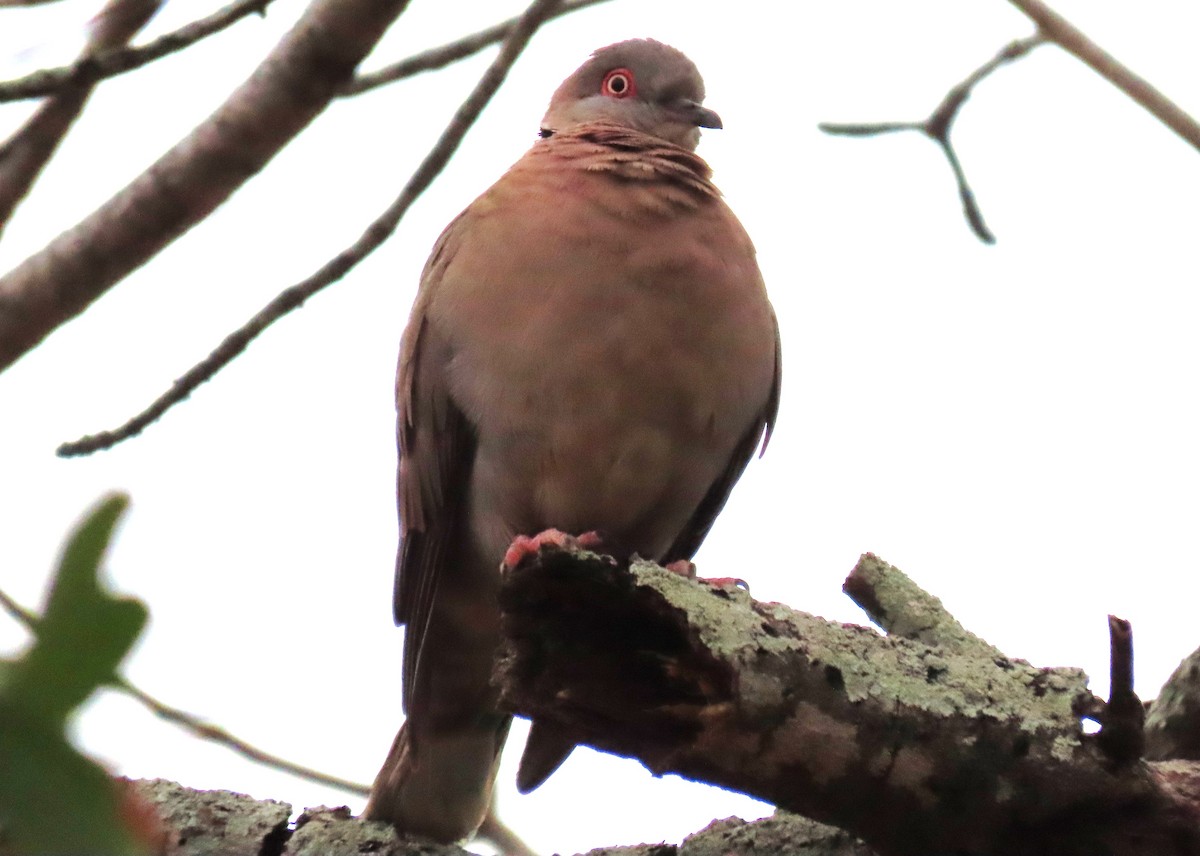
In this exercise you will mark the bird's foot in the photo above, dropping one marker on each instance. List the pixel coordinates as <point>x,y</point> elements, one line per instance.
<point>688,570</point>
<point>682,567</point>
<point>527,546</point>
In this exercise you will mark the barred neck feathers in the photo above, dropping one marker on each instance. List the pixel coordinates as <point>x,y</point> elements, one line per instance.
<point>672,177</point>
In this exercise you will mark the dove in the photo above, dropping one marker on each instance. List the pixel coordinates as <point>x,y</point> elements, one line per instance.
<point>591,350</point>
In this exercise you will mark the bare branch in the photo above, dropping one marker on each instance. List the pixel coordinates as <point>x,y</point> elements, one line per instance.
<point>114,61</point>
<point>26,153</point>
<point>374,235</point>
<point>193,724</point>
<point>197,727</point>
<point>287,91</point>
<point>1062,32</point>
<point>118,22</point>
<point>439,57</point>
<point>937,127</point>
<point>916,748</point>
<point>495,831</point>
<point>1052,27</point>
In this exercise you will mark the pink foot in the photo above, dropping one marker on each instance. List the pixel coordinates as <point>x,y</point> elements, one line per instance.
<point>682,567</point>
<point>688,569</point>
<point>525,547</point>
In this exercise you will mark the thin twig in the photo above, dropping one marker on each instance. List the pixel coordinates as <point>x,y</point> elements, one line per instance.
<point>207,731</point>
<point>193,724</point>
<point>292,85</point>
<point>119,60</point>
<point>341,264</point>
<point>492,830</point>
<point>937,127</point>
<point>495,831</point>
<point>25,154</point>
<point>1052,27</point>
<point>439,57</point>
<point>1063,33</point>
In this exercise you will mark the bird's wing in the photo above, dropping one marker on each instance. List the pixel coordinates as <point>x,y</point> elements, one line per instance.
<point>693,534</point>
<point>437,445</point>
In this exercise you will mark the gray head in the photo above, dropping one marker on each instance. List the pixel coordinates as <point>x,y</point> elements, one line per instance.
<point>641,84</point>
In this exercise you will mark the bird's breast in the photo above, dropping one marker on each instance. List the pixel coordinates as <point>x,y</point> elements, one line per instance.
<point>610,365</point>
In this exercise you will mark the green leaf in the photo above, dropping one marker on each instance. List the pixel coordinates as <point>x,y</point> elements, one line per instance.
<point>52,799</point>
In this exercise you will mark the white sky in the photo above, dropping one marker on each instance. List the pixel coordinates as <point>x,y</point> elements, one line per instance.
<point>1015,426</point>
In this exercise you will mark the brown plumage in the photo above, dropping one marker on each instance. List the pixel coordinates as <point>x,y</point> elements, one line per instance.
<point>591,348</point>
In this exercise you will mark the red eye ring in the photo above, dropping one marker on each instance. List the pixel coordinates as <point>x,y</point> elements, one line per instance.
<point>618,83</point>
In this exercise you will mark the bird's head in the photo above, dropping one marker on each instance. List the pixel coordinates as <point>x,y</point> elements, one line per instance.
<point>640,84</point>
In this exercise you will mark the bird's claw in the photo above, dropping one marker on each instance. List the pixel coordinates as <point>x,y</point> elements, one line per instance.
<point>687,570</point>
<point>526,547</point>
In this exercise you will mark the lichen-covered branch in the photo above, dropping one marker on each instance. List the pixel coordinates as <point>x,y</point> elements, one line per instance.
<point>916,747</point>
<point>1173,721</point>
<point>903,609</point>
<point>189,822</point>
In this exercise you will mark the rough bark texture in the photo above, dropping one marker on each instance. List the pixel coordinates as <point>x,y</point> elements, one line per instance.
<point>334,831</point>
<point>205,823</point>
<point>1173,721</point>
<point>208,823</point>
<point>931,744</point>
<point>199,823</point>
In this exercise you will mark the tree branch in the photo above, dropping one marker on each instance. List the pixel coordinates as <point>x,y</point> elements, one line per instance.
<point>1122,737</point>
<point>1052,27</point>
<point>1173,721</point>
<point>376,233</point>
<point>492,830</point>
<point>439,57</point>
<point>25,154</point>
<point>916,747</point>
<point>114,61</point>
<point>937,127</point>
<point>287,91</point>
<point>1066,35</point>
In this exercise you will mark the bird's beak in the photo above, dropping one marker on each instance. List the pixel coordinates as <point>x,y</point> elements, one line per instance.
<point>699,115</point>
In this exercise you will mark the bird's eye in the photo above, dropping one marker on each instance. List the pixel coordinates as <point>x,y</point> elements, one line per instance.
<point>618,83</point>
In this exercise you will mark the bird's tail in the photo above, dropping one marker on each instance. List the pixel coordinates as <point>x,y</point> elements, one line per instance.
<point>442,791</point>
